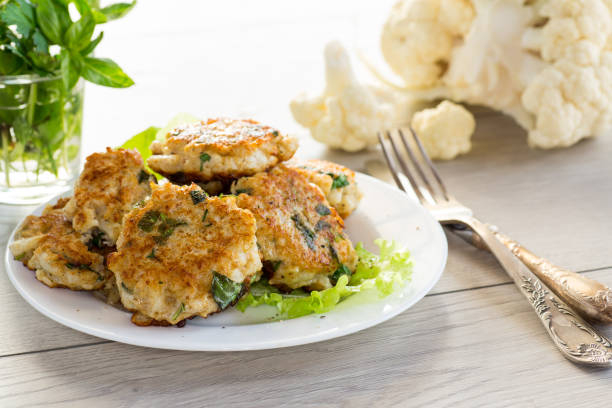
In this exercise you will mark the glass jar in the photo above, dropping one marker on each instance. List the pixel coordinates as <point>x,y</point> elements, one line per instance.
<point>40,137</point>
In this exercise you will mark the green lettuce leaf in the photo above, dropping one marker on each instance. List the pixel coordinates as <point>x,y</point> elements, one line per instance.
<point>143,140</point>
<point>383,273</point>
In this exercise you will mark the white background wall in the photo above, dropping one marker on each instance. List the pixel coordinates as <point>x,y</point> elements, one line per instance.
<point>230,57</point>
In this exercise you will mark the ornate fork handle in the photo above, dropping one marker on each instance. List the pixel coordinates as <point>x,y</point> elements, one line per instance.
<point>573,336</point>
<point>588,297</point>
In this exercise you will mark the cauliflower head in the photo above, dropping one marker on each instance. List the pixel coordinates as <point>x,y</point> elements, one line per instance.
<point>445,130</point>
<point>547,63</point>
<point>348,114</point>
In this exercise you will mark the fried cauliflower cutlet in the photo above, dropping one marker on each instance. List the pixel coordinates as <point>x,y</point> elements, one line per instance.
<point>50,246</point>
<point>182,253</point>
<point>109,186</point>
<point>220,149</point>
<point>337,183</point>
<point>300,237</point>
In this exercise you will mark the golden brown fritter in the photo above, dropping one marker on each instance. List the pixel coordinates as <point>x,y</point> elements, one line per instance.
<point>49,245</point>
<point>337,183</point>
<point>109,186</point>
<point>170,251</point>
<point>220,149</point>
<point>300,237</point>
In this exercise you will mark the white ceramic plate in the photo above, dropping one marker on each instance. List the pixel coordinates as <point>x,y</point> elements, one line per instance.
<point>384,212</point>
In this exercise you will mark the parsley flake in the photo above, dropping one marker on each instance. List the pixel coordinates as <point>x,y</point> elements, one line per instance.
<point>152,255</point>
<point>197,196</point>
<point>178,312</point>
<point>340,180</point>
<point>204,157</point>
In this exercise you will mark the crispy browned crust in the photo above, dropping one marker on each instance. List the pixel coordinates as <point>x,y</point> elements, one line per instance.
<point>50,221</point>
<point>309,245</point>
<point>322,172</point>
<point>110,184</point>
<point>56,252</point>
<point>221,135</point>
<point>155,277</point>
<point>143,321</point>
<point>236,148</point>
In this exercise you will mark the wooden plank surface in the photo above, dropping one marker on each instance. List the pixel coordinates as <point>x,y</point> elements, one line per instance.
<point>482,347</point>
<point>473,341</point>
<point>24,321</point>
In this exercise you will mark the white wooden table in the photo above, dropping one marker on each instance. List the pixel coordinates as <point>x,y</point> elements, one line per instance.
<point>473,341</point>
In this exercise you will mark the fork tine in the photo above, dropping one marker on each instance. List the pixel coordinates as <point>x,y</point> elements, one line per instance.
<point>406,170</point>
<point>419,168</point>
<point>390,162</point>
<point>430,164</point>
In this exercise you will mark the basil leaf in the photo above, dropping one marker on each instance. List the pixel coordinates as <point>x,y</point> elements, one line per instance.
<point>21,14</point>
<point>92,45</point>
<point>143,176</point>
<point>40,42</point>
<point>84,7</point>
<point>9,63</point>
<point>43,62</point>
<point>342,270</point>
<point>322,209</point>
<point>128,290</point>
<point>148,220</point>
<point>103,71</point>
<point>99,17</point>
<point>166,228</point>
<point>225,291</point>
<point>79,34</point>
<point>70,68</point>
<point>307,233</point>
<point>84,267</point>
<point>49,20</point>
<point>63,15</point>
<point>117,10</point>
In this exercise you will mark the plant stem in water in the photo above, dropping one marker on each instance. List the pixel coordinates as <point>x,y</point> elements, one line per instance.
<point>5,150</point>
<point>30,117</point>
<point>32,102</point>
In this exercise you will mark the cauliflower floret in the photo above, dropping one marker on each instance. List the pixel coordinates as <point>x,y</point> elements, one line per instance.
<point>572,97</point>
<point>445,130</point>
<point>547,63</point>
<point>418,38</point>
<point>348,114</point>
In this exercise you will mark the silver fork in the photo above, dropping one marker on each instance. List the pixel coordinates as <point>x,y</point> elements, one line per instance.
<point>573,336</point>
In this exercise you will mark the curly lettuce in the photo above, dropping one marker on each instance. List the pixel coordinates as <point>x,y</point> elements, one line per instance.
<point>383,273</point>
